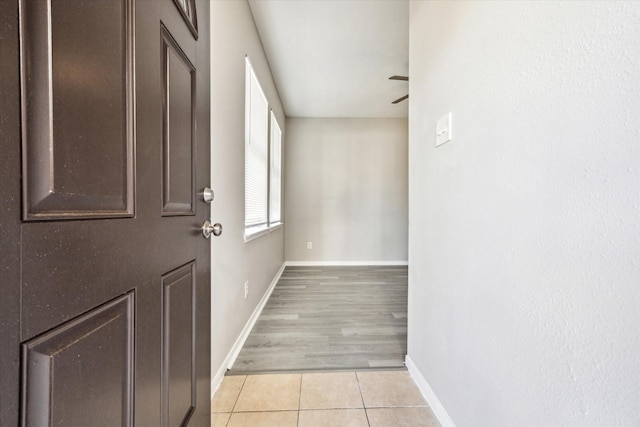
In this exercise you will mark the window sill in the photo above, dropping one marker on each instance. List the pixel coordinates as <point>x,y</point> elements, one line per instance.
<point>274,227</point>
<point>256,232</point>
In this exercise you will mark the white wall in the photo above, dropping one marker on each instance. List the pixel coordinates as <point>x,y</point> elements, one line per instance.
<point>346,186</point>
<point>233,35</point>
<point>524,247</point>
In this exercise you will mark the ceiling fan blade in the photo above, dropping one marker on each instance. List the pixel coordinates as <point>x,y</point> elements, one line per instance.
<point>400,99</point>
<point>403,78</point>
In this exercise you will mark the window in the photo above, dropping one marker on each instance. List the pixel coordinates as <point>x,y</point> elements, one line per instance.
<point>262,161</point>
<point>275,182</point>
<point>255,154</point>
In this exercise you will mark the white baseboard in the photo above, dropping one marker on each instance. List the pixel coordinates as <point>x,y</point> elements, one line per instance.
<point>431,398</point>
<point>342,263</point>
<point>228,362</point>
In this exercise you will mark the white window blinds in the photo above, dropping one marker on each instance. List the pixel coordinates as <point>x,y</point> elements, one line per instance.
<point>255,160</point>
<point>275,182</point>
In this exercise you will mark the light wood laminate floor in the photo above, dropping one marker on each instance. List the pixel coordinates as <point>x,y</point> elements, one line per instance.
<point>330,318</point>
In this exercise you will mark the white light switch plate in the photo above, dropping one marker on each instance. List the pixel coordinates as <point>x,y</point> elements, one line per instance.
<point>443,130</point>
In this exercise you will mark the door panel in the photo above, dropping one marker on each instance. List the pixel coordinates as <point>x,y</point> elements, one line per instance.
<point>104,271</point>
<point>88,360</point>
<point>179,89</point>
<point>76,61</point>
<point>178,365</point>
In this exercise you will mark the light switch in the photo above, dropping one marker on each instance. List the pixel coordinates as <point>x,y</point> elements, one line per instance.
<point>443,130</point>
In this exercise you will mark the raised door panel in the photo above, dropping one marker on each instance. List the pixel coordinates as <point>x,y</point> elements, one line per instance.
<point>81,373</point>
<point>187,9</point>
<point>178,365</point>
<point>179,126</point>
<point>77,111</point>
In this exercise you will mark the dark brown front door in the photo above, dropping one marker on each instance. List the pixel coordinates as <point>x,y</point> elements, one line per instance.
<point>104,272</point>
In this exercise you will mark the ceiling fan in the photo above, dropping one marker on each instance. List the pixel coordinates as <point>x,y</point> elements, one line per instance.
<point>403,78</point>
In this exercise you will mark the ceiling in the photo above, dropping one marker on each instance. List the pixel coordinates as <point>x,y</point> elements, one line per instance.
<point>333,58</point>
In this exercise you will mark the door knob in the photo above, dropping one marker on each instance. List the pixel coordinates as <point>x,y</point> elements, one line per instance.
<point>208,229</point>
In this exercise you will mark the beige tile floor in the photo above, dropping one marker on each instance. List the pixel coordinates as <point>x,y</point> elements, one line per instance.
<point>341,399</point>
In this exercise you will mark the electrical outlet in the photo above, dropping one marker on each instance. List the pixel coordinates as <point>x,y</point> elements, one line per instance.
<point>246,289</point>
<point>309,245</point>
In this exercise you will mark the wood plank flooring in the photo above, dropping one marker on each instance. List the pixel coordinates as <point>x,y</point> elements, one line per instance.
<point>327,318</point>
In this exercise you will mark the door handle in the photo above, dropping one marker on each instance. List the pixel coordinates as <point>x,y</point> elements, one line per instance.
<point>208,229</point>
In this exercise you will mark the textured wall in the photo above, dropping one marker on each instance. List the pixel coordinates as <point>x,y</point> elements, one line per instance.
<point>524,247</point>
<point>233,35</point>
<point>346,189</point>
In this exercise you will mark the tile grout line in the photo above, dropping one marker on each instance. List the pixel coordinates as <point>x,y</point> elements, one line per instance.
<point>364,406</point>
<point>237,398</point>
<point>299,401</point>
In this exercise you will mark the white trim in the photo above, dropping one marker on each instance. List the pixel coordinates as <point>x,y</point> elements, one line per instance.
<point>261,231</point>
<point>342,263</point>
<point>431,398</point>
<point>275,226</point>
<point>251,234</point>
<point>228,362</point>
